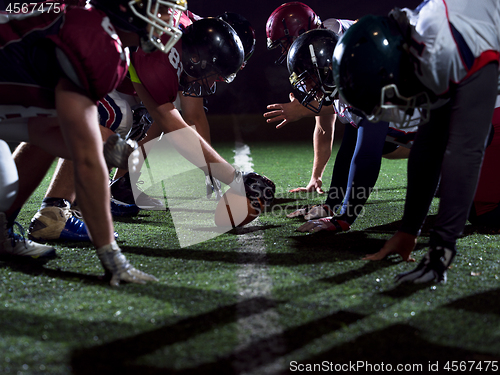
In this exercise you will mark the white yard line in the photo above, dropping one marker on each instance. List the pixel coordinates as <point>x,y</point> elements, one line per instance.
<point>255,283</point>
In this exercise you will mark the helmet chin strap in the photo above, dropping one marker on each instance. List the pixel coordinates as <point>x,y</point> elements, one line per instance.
<point>147,45</point>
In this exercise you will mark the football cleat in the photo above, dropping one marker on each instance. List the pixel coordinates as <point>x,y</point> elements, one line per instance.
<point>324,224</point>
<point>314,212</point>
<point>431,268</point>
<point>118,268</point>
<point>122,193</point>
<point>57,223</point>
<point>17,245</point>
<point>119,209</point>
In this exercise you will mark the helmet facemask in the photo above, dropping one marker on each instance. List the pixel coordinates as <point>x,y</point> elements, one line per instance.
<point>310,66</point>
<point>312,89</point>
<point>204,80</point>
<point>158,24</point>
<point>211,52</point>
<point>199,87</point>
<point>399,109</point>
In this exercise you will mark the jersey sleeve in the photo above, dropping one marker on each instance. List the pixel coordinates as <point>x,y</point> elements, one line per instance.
<point>90,52</point>
<point>159,73</point>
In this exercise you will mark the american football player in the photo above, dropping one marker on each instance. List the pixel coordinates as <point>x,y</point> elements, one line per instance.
<point>283,26</point>
<point>208,39</point>
<point>55,66</point>
<point>441,58</point>
<point>357,164</point>
<point>160,77</point>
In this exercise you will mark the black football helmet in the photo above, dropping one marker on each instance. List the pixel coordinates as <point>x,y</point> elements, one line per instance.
<point>309,63</point>
<point>147,18</point>
<point>374,73</point>
<point>211,52</point>
<point>286,23</point>
<point>244,30</point>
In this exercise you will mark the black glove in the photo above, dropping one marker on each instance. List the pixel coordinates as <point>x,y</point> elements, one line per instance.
<point>141,122</point>
<point>259,187</point>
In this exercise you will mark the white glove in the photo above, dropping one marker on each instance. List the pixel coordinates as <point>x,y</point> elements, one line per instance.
<point>118,268</point>
<point>213,186</point>
<point>120,153</point>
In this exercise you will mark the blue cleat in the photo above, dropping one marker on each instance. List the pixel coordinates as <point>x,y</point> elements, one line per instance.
<point>57,223</point>
<point>121,209</point>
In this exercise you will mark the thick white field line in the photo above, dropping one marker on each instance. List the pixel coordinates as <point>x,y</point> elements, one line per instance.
<point>258,322</point>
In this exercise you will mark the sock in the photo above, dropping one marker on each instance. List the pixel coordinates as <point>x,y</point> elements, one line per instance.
<point>54,202</point>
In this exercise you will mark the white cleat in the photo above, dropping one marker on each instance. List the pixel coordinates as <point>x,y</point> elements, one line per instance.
<point>18,245</point>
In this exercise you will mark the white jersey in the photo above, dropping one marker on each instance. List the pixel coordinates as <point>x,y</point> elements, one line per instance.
<point>339,27</point>
<point>452,39</point>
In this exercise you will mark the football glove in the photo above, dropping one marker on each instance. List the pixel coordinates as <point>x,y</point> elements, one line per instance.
<point>118,268</point>
<point>117,153</point>
<point>324,224</point>
<point>259,187</point>
<point>141,122</point>
<point>213,186</point>
<point>314,212</point>
<point>431,268</point>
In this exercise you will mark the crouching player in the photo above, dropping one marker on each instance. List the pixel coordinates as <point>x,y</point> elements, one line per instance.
<point>55,67</point>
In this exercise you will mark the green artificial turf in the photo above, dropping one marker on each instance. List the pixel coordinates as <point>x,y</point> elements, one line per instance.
<point>263,299</point>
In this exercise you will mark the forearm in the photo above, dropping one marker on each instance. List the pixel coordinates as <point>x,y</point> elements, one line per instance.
<point>185,139</point>
<point>193,113</point>
<point>322,143</point>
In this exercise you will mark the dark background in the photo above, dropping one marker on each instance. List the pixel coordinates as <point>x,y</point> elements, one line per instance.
<point>262,82</point>
<point>235,111</point>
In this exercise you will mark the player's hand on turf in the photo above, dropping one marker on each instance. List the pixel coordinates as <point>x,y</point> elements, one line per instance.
<point>118,268</point>
<point>401,243</point>
<point>324,224</point>
<point>314,185</point>
<point>286,112</point>
<point>311,213</point>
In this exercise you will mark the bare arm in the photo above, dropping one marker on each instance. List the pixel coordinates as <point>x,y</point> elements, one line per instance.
<point>193,113</point>
<point>322,143</point>
<point>188,141</point>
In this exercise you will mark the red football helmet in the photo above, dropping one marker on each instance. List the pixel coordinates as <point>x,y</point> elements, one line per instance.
<point>286,23</point>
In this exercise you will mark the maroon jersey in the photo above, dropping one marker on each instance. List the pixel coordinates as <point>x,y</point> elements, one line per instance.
<point>90,54</point>
<point>160,72</point>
